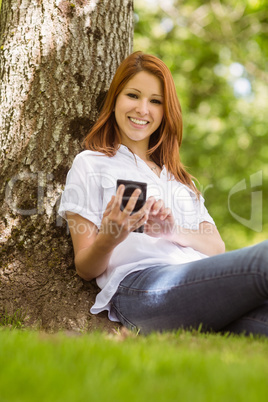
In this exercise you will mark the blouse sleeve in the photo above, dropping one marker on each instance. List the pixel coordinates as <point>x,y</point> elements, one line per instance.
<point>82,193</point>
<point>202,212</point>
<point>189,211</point>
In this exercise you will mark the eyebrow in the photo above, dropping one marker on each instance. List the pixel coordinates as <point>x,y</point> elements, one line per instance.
<point>161,96</point>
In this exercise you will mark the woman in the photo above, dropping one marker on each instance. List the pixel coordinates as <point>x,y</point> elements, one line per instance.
<point>175,274</point>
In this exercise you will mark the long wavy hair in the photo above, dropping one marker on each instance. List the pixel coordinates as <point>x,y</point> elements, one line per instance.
<point>165,142</point>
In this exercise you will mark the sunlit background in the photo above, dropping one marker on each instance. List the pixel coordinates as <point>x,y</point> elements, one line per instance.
<point>217,53</point>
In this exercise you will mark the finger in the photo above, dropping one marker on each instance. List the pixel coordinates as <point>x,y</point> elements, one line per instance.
<point>148,205</point>
<point>144,212</point>
<point>109,206</point>
<point>132,201</point>
<point>140,217</point>
<point>118,197</point>
<point>165,213</point>
<point>135,224</point>
<point>158,207</point>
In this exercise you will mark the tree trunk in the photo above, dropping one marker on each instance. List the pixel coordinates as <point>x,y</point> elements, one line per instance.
<point>57,59</point>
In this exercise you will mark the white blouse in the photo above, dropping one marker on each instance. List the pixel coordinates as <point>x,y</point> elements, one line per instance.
<point>90,184</point>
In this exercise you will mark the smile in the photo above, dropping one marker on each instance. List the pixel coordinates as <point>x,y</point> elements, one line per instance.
<point>137,121</point>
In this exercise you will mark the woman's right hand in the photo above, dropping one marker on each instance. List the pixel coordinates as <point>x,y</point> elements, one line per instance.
<point>92,247</point>
<point>116,224</point>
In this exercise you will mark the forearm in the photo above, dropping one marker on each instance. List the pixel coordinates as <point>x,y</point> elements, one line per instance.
<point>92,261</point>
<point>206,239</point>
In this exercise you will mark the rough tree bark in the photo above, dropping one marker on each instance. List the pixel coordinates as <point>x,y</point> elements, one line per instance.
<point>57,60</point>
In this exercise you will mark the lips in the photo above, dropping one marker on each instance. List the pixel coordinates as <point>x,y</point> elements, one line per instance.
<point>138,121</point>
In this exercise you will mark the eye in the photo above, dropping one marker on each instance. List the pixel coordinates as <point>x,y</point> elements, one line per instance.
<point>157,101</point>
<point>131,95</point>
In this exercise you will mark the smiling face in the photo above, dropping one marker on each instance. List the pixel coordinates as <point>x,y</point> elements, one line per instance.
<point>139,111</point>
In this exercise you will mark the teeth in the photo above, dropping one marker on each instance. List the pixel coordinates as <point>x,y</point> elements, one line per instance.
<point>136,121</point>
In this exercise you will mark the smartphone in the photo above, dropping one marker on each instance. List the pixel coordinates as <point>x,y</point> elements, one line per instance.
<point>130,186</point>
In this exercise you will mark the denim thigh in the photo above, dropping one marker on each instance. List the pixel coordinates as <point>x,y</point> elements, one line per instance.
<point>213,292</point>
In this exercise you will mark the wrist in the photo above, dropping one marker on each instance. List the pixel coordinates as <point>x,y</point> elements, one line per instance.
<point>179,236</point>
<point>104,243</point>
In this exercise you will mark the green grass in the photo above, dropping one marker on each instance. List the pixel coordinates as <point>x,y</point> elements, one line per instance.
<point>96,367</point>
<point>14,321</point>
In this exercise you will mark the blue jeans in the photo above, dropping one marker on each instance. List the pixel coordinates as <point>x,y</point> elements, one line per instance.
<point>227,292</point>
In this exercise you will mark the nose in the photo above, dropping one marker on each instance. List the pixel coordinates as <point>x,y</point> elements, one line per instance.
<point>142,107</point>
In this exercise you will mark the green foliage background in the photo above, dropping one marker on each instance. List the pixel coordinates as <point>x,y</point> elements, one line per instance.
<point>210,47</point>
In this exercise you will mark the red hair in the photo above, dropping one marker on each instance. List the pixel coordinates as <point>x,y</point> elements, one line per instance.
<point>165,142</point>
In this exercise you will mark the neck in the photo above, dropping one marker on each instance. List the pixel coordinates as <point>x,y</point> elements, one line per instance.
<point>141,153</point>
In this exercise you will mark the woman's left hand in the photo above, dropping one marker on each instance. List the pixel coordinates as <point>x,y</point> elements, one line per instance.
<point>160,222</point>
